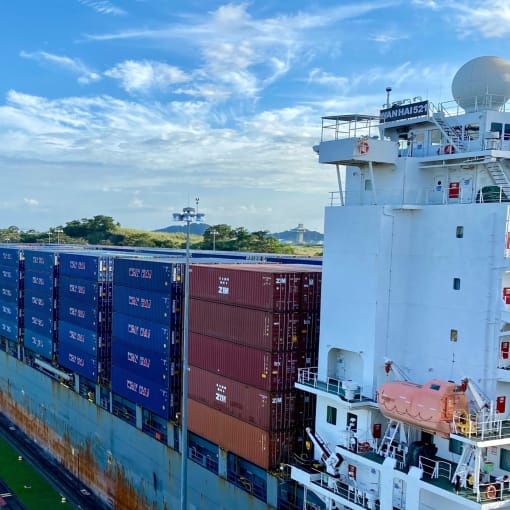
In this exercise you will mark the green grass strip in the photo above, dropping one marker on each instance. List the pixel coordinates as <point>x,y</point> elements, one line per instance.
<point>39,495</point>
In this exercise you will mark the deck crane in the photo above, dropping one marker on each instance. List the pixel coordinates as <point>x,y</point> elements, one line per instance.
<point>330,459</point>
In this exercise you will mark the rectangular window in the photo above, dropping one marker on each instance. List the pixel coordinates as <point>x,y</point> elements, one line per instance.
<point>456,284</point>
<point>455,446</point>
<point>472,132</point>
<point>331,415</point>
<point>506,135</point>
<point>460,232</point>
<point>497,126</point>
<point>435,136</point>
<point>504,460</point>
<point>453,335</point>
<point>368,185</point>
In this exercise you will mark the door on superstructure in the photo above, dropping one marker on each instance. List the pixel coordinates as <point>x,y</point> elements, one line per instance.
<point>466,189</point>
<point>439,192</point>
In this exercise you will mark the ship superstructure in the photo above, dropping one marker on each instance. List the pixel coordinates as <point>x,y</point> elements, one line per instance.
<point>413,378</point>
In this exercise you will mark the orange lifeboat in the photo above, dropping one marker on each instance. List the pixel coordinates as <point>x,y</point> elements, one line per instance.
<point>429,406</point>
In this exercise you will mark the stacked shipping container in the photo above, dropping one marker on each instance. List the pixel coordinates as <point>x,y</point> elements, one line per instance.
<point>146,355</point>
<point>41,300</point>
<point>251,328</point>
<point>84,326</point>
<point>11,293</point>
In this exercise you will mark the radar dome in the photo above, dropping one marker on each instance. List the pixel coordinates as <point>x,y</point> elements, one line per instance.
<point>483,82</point>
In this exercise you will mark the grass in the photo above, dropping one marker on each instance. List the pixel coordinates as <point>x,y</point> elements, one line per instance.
<point>16,474</point>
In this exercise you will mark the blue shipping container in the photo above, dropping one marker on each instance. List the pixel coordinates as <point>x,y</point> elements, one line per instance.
<point>41,261</point>
<point>154,336</point>
<point>43,302</point>
<point>10,256</point>
<point>152,274</point>
<point>152,396</point>
<point>40,282</point>
<point>9,275</point>
<point>10,293</point>
<point>41,344</point>
<point>151,365</point>
<point>78,361</point>
<point>82,314</point>
<point>86,265</point>
<point>9,329</point>
<point>82,289</point>
<point>84,339</point>
<point>9,311</point>
<point>39,321</point>
<point>152,306</point>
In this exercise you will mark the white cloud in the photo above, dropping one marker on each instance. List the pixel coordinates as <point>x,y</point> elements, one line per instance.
<point>31,201</point>
<point>75,66</point>
<point>103,7</point>
<point>491,18</point>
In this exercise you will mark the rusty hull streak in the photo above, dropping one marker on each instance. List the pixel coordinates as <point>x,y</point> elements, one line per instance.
<point>113,485</point>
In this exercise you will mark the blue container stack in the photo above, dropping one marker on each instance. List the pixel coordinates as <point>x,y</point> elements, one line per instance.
<point>41,299</point>
<point>84,319</point>
<point>11,293</point>
<point>146,333</point>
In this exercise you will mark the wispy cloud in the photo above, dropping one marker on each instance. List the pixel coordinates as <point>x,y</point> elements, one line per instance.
<point>31,202</point>
<point>103,7</point>
<point>75,66</point>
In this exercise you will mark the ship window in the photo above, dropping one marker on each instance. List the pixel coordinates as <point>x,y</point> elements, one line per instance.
<point>453,335</point>
<point>506,135</point>
<point>368,185</point>
<point>459,232</point>
<point>435,136</point>
<point>455,446</point>
<point>456,284</point>
<point>497,126</point>
<point>436,387</point>
<point>331,415</point>
<point>472,132</point>
<point>504,460</point>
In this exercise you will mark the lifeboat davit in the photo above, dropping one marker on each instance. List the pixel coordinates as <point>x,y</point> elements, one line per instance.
<point>429,406</point>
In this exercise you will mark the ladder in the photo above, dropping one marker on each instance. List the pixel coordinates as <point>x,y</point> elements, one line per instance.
<point>497,172</point>
<point>390,436</point>
<point>465,465</point>
<point>449,132</point>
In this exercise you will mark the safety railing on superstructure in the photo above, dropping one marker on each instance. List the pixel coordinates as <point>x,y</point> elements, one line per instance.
<point>480,426</point>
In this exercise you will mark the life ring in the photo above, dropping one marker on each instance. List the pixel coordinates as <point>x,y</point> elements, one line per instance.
<point>364,447</point>
<point>490,492</point>
<point>449,149</point>
<point>363,146</point>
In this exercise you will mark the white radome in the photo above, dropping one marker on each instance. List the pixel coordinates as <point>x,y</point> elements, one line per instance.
<point>482,82</point>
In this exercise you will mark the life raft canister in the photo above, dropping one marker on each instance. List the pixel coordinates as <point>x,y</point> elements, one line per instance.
<point>363,146</point>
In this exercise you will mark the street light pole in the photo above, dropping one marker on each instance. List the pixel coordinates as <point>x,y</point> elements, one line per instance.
<point>58,230</point>
<point>188,216</point>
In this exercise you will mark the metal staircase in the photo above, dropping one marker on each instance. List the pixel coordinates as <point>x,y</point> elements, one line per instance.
<point>449,132</point>
<point>466,465</point>
<point>497,172</point>
<point>391,437</point>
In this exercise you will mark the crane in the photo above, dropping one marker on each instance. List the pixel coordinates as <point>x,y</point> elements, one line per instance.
<point>331,460</point>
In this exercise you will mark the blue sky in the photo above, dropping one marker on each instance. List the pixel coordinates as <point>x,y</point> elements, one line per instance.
<point>132,108</point>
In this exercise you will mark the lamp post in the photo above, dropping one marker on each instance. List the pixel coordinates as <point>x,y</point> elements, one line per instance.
<point>188,215</point>
<point>214,233</point>
<point>58,230</point>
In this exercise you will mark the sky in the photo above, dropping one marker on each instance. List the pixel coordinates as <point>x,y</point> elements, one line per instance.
<point>134,108</point>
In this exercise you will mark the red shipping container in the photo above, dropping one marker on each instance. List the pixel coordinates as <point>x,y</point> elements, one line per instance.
<point>261,329</point>
<point>262,369</point>
<point>263,448</point>
<point>274,287</point>
<point>269,411</point>
<point>310,331</point>
<point>311,284</point>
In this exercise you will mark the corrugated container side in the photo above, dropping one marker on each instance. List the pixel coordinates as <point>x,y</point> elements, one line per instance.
<point>148,305</point>
<point>86,265</point>
<point>77,361</point>
<point>310,329</point>
<point>9,329</point>
<point>267,410</point>
<point>150,365</point>
<point>9,275</point>
<point>41,261</point>
<point>263,448</point>
<point>84,339</point>
<point>40,321</point>
<point>150,395</point>
<point>266,288</point>
<point>155,275</point>
<point>262,369</point>
<point>10,293</point>
<point>43,301</point>
<point>155,336</point>
<point>10,311</point>
<point>10,256</point>
<point>311,285</point>
<point>40,282</point>
<point>81,314</point>
<point>81,289</point>
<point>41,344</point>
<point>262,329</point>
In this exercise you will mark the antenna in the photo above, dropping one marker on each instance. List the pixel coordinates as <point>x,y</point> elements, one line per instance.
<point>388,90</point>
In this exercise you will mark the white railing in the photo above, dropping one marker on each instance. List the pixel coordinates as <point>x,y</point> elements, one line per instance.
<point>480,426</point>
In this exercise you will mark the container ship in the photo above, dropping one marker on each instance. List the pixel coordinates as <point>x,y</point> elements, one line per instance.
<point>413,375</point>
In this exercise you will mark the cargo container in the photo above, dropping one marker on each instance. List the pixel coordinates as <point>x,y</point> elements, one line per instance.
<point>10,256</point>
<point>44,302</point>
<point>40,282</point>
<point>309,331</point>
<point>91,265</point>
<point>81,289</point>
<point>261,329</point>
<point>311,284</point>
<point>86,340</point>
<point>10,311</point>
<point>10,293</point>
<point>264,370</point>
<point>10,275</point>
<point>274,287</point>
<point>263,448</point>
<point>154,366</point>
<point>152,274</point>
<point>81,314</point>
<point>149,394</point>
<point>148,305</point>
<point>9,329</point>
<point>154,336</point>
<point>40,321</point>
<point>268,410</point>
<point>41,344</point>
<point>77,361</point>
<point>41,261</point>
